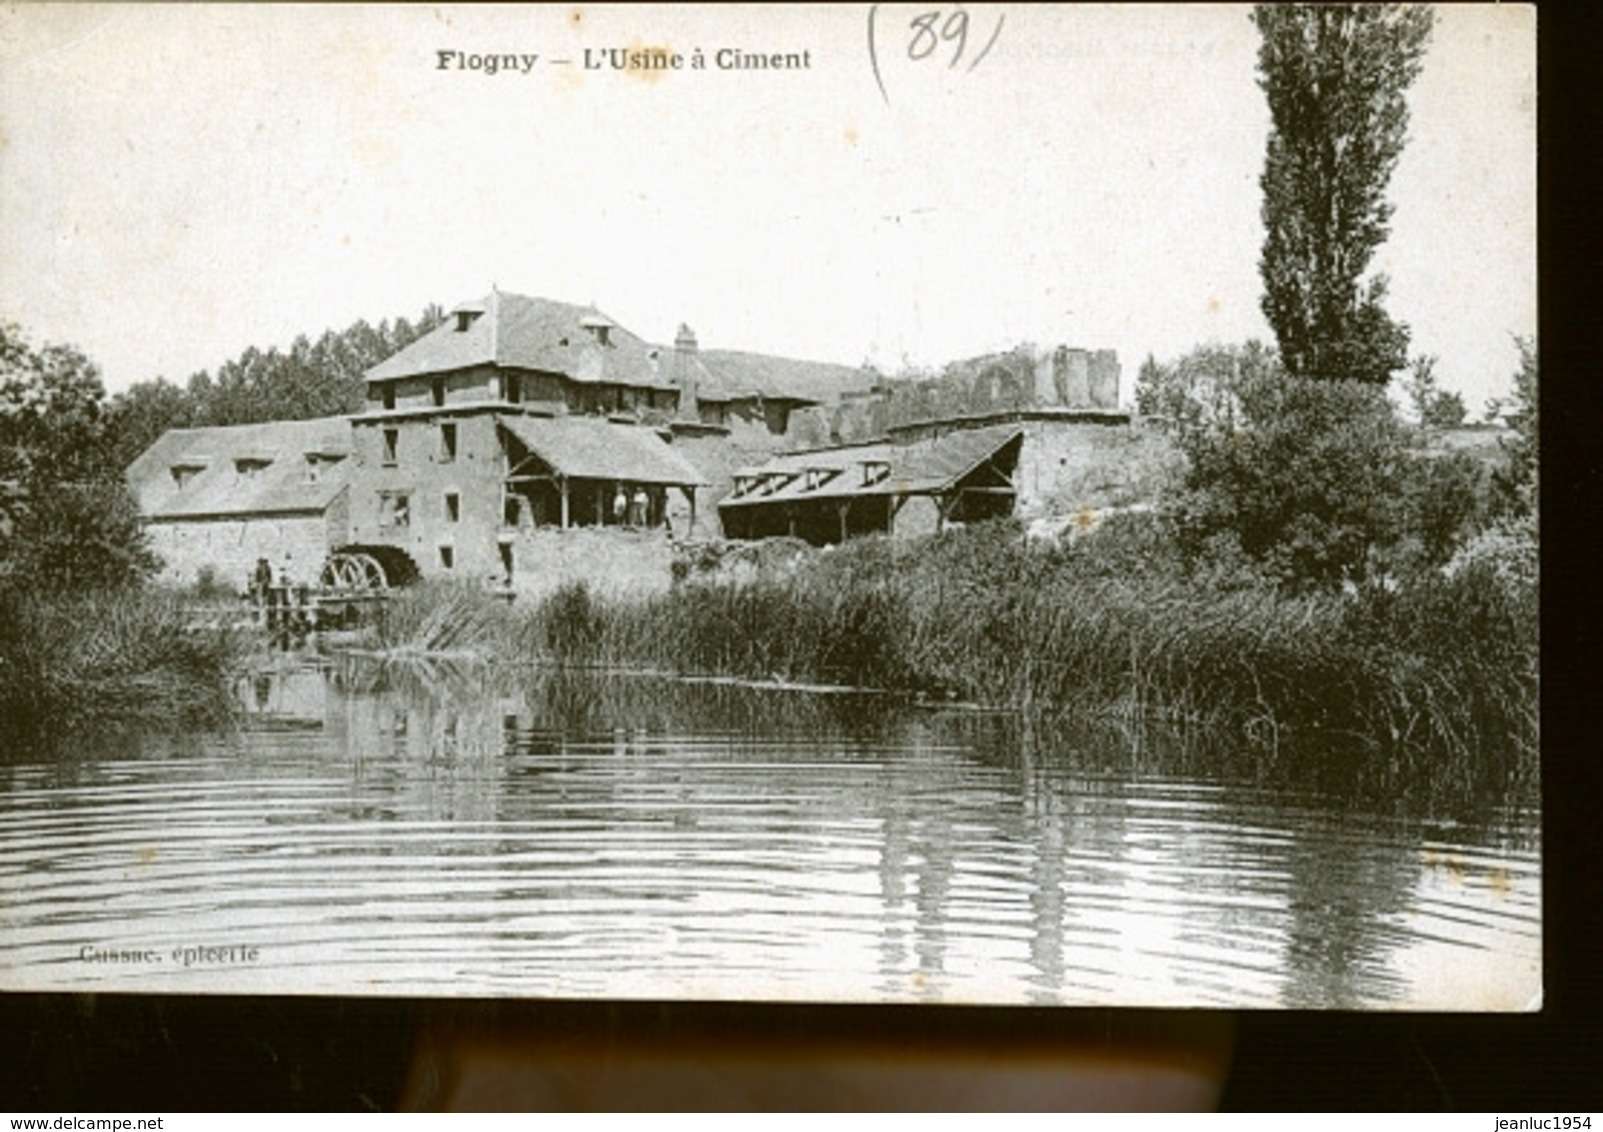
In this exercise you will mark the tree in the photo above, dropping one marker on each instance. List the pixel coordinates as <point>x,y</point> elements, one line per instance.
<point>1202,388</point>
<point>1334,77</point>
<point>1444,502</point>
<point>1306,480</point>
<point>66,517</point>
<point>51,412</point>
<point>319,379</point>
<point>1433,407</point>
<point>139,415</point>
<point>80,536</point>
<point>1446,410</point>
<point>1518,484</point>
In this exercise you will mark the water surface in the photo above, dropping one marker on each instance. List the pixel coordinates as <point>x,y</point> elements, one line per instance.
<point>415,832</point>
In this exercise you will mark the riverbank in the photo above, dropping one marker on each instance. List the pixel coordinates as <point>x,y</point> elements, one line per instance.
<point>1439,668</point>
<point>108,658</point>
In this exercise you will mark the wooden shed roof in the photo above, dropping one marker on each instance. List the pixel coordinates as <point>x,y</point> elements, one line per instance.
<point>595,449</point>
<point>927,467</point>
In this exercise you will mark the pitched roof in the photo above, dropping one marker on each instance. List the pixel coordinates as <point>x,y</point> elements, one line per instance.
<point>926,467</point>
<point>537,334</point>
<point>734,374</point>
<point>217,486</point>
<point>591,448</point>
<point>520,332</point>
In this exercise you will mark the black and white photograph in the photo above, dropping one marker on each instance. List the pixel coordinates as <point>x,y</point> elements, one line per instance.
<point>871,504</point>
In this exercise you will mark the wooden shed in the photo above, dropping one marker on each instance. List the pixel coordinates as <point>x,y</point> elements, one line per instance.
<point>829,495</point>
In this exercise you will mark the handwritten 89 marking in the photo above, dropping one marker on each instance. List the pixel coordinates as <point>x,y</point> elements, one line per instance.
<point>936,33</point>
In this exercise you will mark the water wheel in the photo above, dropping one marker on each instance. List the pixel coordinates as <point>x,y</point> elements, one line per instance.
<point>349,571</point>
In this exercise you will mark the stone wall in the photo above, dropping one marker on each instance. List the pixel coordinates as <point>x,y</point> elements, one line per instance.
<point>230,547</point>
<point>425,475</point>
<point>608,560</point>
<point>717,458</point>
<point>1016,380</point>
<point>1070,466</point>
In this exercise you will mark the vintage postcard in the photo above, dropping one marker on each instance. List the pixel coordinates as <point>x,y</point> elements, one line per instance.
<point>890,503</point>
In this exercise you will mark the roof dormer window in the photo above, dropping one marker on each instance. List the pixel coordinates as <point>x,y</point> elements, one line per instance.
<point>183,473</point>
<point>818,477</point>
<point>464,319</point>
<point>317,462</point>
<point>248,466</point>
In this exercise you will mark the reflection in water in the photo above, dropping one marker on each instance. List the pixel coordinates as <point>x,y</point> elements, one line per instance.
<point>411,828</point>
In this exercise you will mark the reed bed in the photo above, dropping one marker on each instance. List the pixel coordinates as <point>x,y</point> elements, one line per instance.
<point>75,660</point>
<point>1438,670</point>
<point>441,619</point>
<point>1435,668</point>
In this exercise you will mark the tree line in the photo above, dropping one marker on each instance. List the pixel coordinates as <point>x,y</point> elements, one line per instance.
<point>310,379</point>
<point>67,519</point>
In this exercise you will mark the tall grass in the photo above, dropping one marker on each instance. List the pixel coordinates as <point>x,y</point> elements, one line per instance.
<point>107,657</point>
<point>440,618</point>
<point>1114,626</point>
<point>1439,671</point>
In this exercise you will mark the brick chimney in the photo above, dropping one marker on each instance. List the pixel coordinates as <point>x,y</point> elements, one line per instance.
<point>684,358</point>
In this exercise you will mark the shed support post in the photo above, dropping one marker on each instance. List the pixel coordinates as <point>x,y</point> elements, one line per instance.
<point>895,507</point>
<point>842,509</point>
<point>564,482</point>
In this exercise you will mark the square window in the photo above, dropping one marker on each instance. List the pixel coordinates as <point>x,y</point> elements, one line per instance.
<point>447,558</point>
<point>437,389</point>
<point>392,438</point>
<point>395,510</point>
<point>387,392</point>
<point>447,442</point>
<point>453,507</point>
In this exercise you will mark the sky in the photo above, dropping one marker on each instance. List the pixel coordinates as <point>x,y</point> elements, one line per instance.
<point>180,182</point>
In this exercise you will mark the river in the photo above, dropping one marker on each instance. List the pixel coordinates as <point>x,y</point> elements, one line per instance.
<point>430,830</point>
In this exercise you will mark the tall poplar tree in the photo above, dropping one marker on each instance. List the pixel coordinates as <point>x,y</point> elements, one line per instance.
<point>1335,77</point>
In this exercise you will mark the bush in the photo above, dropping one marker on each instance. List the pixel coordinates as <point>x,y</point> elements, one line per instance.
<point>1519,484</point>
<point>1306,482</point>
<point>1445,499</point>
<point>1507,553</point>
<point>210,585</point>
